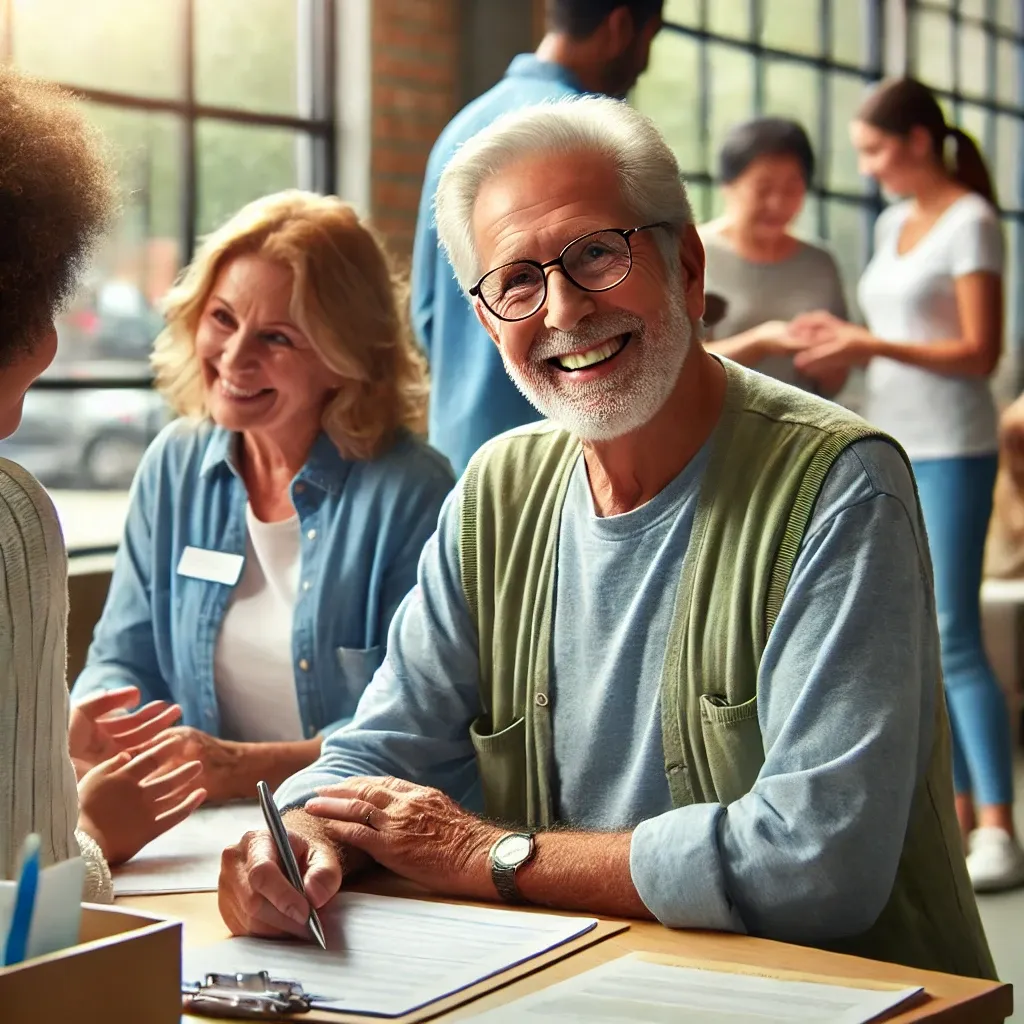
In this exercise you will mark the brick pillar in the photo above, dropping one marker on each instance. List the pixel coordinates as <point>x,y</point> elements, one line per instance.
<point>415,71</point>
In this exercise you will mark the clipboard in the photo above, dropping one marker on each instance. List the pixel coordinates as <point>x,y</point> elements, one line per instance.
<point>262,996</point>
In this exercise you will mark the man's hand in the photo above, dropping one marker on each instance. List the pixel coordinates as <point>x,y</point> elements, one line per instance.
<point>414,831</point>
<point>126,802</point>
<point>253,894</point>
<point>104,725</point>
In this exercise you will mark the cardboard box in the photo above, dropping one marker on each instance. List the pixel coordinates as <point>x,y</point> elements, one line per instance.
<point>126,969</point>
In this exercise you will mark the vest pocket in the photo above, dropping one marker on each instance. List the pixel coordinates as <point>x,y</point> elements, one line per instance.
<point>358,665</point>
<point>501,760</point>
<point>732,745</point>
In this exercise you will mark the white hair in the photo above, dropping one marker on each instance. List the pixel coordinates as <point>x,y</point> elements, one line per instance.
<point>649,177</point>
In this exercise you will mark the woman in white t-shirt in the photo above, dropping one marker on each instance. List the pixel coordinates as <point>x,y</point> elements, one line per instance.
<point>932,296</point>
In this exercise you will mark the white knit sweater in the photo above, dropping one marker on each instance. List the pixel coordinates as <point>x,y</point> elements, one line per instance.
<point>38,792</point>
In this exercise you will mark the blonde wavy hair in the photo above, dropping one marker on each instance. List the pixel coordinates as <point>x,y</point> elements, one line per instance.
<point>347,299</point>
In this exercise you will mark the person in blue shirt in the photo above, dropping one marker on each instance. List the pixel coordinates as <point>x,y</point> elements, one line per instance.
<point>591,46</point>
<point>275,528</point>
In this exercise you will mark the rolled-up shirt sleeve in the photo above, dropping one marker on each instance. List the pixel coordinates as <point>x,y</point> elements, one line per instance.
<point>412,721</point>
<point>846,702</point>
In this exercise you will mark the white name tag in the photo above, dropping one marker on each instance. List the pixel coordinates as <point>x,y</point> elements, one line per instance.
<point>215,566</point>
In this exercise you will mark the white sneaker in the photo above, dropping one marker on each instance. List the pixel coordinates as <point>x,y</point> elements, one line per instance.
<point>995,860</point>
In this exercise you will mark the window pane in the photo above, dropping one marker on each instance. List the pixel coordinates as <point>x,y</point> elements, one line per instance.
<point>730,18</point>
<point>973,60</point>
<point>807,224</point>
<point>793,25</point>
<point>246,54</point>
<point>847,94</point>
<point>974,8</point>
<point>973,120</point>
<point>110,326</point>
<point>846,238</point>
<point>238,163</point>
<point>1009,14</point>
<point>933,39</point>
<point>700,200</point>
<point>682,12</point>
<point>730,92</point>
<point>669,93</point>
<point>1007,162</point>
<point>1008,71</point>
<point>792,90</point>
<point>120,45</point>
<point>849,32</point>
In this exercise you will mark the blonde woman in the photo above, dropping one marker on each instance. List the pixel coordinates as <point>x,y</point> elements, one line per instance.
<point>275,528</point>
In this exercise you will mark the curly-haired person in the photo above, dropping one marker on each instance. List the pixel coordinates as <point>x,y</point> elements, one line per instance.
<point>57,196</point>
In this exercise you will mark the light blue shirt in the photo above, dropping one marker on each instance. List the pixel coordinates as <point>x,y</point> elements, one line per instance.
<point>846,698</point>
<point>472,398</point>
<point>363,526</point>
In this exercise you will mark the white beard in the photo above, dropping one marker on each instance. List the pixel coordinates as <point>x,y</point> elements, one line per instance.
<point>628,397</point>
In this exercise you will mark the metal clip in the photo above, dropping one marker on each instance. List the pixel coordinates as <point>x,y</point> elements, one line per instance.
<point>246,996</point>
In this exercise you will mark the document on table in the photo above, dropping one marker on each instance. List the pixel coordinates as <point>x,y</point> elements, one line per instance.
<point>187,857</point>
<point>635,990</point>
<point>388,956</point>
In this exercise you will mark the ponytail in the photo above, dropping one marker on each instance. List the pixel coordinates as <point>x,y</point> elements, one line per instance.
<point>900,105</point>
<point>964,161</point>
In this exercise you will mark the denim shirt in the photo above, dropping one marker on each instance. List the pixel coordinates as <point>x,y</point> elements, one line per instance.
<point>472,398</point>
<point>363,525</point>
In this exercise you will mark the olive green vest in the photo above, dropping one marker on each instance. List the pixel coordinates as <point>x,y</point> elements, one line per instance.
<point>770,453</point>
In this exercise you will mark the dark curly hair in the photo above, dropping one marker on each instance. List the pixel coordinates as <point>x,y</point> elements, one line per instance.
<point>57,196</point>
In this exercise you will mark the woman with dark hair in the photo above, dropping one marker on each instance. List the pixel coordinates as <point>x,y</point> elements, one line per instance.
<point>56,197</point>
<point>933,299</point>
<point>767,275</point>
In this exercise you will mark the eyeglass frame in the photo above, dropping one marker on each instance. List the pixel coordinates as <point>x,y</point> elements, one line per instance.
<point>558,261</point>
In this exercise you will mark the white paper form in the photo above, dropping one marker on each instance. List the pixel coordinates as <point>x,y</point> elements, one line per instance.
<point>632,990</point>
<point>187,857</point>
<point>388,956</point>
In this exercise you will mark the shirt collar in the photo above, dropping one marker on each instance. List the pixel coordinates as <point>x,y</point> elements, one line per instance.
<point>528,65</point>
<point>325,466</point>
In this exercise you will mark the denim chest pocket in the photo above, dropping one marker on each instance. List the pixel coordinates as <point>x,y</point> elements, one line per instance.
<point>357,665</point>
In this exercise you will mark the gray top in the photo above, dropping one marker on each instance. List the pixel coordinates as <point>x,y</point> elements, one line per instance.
<point>811,851</point>
<point>757,292</point>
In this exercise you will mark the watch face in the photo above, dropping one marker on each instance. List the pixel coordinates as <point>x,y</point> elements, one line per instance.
<point>512,850</point>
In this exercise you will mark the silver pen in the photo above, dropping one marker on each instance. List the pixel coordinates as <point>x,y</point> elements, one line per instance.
<point>279,834</point>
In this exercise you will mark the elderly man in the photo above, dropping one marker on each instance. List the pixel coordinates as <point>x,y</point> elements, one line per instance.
<point>677,643</point>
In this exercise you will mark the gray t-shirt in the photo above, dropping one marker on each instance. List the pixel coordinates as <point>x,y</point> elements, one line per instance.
<point>757,292</point>
<point>810,852</point>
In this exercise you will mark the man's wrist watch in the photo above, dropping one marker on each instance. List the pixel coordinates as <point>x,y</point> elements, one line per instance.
<point>508,854</point>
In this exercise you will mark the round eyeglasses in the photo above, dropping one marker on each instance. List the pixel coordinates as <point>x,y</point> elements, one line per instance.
<point>594,262</point>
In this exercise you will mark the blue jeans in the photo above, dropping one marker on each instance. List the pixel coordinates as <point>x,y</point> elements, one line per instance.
<point>956,498</point>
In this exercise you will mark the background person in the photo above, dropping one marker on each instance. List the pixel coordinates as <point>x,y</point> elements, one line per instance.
<point>764,272</point>
<point>932,296</point>
<point>598,46</point>
<point>274,529</point>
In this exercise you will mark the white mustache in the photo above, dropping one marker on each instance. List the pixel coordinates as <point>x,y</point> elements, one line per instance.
<point>589,332</point>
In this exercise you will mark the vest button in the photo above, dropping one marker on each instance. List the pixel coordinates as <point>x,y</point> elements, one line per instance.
<point>541,700</point>
<point>304,665</point>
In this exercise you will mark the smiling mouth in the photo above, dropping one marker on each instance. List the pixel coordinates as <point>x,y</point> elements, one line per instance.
<point>572,362</point>
<point>241,393</point>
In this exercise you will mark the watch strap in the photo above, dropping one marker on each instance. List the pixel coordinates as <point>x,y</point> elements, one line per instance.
<point>504,876</point>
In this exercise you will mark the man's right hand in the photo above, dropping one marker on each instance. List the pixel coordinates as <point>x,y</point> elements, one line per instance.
<point>253,894</point>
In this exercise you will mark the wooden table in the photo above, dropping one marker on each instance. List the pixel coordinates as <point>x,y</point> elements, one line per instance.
<point>950,999</point>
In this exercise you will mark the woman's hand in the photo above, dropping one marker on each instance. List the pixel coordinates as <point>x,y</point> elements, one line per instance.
<point>1011,439</point>
<point>223,778</point>
<point>104,725</point>
<point>126,802</point>
<point>830,345</point>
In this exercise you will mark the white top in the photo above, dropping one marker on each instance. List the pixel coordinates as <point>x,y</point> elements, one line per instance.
<point>252,668</point>
<point>38,792</point>
<point>912,299</point>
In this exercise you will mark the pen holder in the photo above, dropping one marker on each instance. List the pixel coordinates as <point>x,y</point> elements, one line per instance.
<point>125,969</point>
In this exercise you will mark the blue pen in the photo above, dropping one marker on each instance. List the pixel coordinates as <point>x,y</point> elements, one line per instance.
<point>24,902</point>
